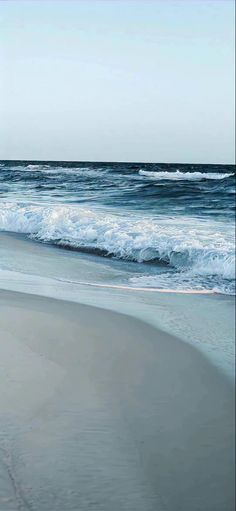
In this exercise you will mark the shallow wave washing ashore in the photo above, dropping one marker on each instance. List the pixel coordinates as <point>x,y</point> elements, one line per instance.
<point>182,176</point>
<point>204,247</point>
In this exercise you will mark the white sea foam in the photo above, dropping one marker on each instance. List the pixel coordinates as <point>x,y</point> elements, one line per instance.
<point>205,247</point>
<point>183,176</point>
<point>184,281</point>
<point>35,167</point>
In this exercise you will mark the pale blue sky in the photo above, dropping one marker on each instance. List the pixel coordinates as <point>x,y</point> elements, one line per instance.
<point>117,80</point>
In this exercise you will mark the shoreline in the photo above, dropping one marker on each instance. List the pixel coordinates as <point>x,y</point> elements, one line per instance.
<point>100,410</point>
<point>205,320</point>
<point>147,289</point>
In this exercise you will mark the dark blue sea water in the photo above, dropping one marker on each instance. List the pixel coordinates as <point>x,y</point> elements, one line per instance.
<point>173,222</point>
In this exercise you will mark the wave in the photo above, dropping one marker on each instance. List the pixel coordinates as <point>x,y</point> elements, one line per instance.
<point>55,171</point>
<point>79,171</point>
<point>86,172</point>
<point>35,167</point>
<point>187,245</point>
<point>31,282</point>
<point>90,171</point>
<point>184,282</point>
<point>183,176</point>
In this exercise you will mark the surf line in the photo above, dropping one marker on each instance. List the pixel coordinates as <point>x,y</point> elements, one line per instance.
<point>129,288</point>
<point>148,289</point>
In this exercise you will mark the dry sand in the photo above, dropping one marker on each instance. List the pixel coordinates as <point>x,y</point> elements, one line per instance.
<point>102,412</point>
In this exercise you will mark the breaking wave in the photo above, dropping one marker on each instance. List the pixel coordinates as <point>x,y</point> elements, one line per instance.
<point>183,176</point>
<point>189,244</point>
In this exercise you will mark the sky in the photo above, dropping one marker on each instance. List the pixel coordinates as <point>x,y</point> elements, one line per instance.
<point>117,80</point>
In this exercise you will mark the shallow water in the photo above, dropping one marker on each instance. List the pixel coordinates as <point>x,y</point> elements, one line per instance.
<point>205,321</point>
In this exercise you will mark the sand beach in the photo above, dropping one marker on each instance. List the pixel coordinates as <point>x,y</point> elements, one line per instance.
<point>101,411</point>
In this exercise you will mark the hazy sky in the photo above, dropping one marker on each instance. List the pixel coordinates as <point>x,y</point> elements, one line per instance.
<point>117,80</point>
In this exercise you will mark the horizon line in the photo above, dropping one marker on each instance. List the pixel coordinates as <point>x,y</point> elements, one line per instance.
<point>114,162</point>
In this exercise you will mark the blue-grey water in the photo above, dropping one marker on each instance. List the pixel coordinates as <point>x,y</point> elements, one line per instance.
<point>166,226</point>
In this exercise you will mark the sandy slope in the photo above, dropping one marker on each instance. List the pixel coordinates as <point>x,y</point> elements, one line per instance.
<point>101,412</point>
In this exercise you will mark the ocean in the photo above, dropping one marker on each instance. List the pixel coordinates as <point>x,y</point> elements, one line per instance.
<point>147,226</point>
<point>154,241</point>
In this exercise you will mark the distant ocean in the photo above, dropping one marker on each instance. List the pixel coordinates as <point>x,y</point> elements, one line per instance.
<point>165,226</point>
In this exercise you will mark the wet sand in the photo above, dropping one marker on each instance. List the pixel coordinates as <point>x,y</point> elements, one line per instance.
<point>100,411</point>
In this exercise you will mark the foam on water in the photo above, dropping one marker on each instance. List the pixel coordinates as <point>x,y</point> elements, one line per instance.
<point>178,219</point>
<point>182,176</point>
<point>184,282</point>
<point>204,247</point>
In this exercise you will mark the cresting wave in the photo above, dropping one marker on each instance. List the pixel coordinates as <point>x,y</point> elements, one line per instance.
<point>90,171</point>
<point>183,176</point>
<point>187,244</point>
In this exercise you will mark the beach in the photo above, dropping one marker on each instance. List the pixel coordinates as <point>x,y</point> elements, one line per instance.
<point>102,411</point>
<point>206,321</point>
<point>117,256</point>
<point>117,337</point>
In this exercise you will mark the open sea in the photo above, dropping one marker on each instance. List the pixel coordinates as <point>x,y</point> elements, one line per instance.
<point>158,226</point>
